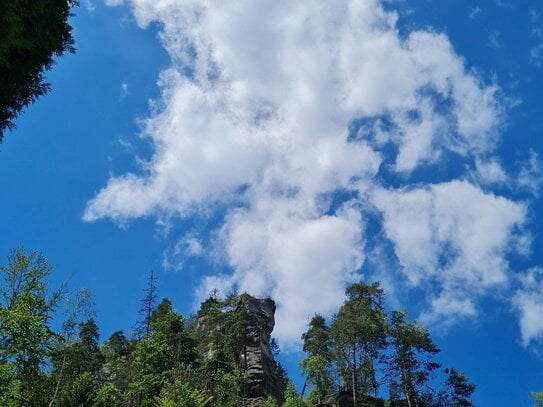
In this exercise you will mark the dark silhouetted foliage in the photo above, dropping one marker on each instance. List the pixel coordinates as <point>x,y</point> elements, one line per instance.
<point>32,33</point>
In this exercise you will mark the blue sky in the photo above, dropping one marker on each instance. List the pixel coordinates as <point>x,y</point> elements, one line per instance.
<point>288,150</point>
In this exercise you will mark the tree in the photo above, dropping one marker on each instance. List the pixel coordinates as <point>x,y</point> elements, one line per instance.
<point>316,341</point>
<point>316,366</point>
<point>359,333</point>
<point>26,337</point>
<point>167,322</point>
<point>457,391</point>
<point>77,307</point>
<point>32,33</point>
<point>270,402</point>
<point>292,399</point>
<point>118,365</point>
<point>148,303</point>
<point>182,394</point>
<point>411,359</point>
<point>538,398</point>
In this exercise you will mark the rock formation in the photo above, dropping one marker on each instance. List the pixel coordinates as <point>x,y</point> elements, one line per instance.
<point>254,359</point>
<point>261,366</point>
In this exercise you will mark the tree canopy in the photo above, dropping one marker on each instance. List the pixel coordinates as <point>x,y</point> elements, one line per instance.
<point>365,356</point>
<point>32,34</point>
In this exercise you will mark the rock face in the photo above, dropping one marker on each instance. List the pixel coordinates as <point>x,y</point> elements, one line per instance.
<point>256,358</point>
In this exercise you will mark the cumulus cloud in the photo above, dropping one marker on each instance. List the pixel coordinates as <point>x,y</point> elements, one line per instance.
<point>528,301</point>
<point>295,254</point>
<point>273,109</point>
<point>454,236</point>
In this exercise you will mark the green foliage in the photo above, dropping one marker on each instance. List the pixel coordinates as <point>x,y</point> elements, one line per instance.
<point>182,394</point>
<point>108,396</point>
<point>538,398</point>
<point>203,362</point>
<point>76,352</point>
<point>82,391</point>
<point>359,332</point>
<point>292,399</point>
<point>32,33</point>
<point>457,391</point>
<point>411,361</point>
<point>26,338</point>
<point>317,338</point>
<point>225,388</point>
<point>270,402</point>
<point>152,364</point>
<point>316,368</point>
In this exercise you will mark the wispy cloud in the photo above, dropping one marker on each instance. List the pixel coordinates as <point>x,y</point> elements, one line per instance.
<point>475,13</point>
<point>182,250</point>
<point>536,51</point>
<point>289,106</point>
<point>124,90</point>
<point>531,174</point>
<point>89,5</point>
<point>528,302</point>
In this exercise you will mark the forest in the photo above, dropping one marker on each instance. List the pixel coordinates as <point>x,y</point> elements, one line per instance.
<point>51,353</point>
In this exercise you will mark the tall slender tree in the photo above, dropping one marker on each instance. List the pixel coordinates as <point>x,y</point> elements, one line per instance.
<point>316,366</point>
<point>411,361</point>
<point>147,306</point>
<point>359,333</point>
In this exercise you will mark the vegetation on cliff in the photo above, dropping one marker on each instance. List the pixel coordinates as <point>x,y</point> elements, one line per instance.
<point>223,356</point>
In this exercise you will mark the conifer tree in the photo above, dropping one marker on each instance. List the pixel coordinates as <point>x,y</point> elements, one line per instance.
<point>359,333</point>
<point>411,361</point>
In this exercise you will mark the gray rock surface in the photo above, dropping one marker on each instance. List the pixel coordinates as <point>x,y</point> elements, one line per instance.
<point>263,380</point>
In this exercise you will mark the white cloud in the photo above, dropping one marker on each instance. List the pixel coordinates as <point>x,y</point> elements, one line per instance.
<point>489,171</point>
<point>263,120</point>
<point>531,174</point>
<point>185,248</point>
<point>452,237</point>
<point>536,51</point>
<point>528,301</point>
<point>89,5</point>
<point>296,255</point>
<point>124,90</point>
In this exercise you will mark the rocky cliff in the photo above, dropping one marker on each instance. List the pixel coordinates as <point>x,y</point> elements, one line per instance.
<point>255,359</point>
<point>263,380</point>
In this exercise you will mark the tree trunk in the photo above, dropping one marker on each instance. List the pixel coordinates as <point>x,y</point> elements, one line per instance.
<point>354,375</point>
<point>59,379</point>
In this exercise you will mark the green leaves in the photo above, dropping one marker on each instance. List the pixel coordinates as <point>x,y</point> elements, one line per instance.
<point>538,398</point>
<point>182,394</point>
<point>367,352</point>
<point>32,33</point>
<point>26,338</point>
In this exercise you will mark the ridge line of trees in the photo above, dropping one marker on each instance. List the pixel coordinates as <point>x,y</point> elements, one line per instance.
<point>364,354</point>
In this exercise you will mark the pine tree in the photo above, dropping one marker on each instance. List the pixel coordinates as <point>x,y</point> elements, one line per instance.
<point>411,360</point>
<point>148,303</point>
<point>359,334</point>
<point>457,391</point>
<point>316,366</point>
